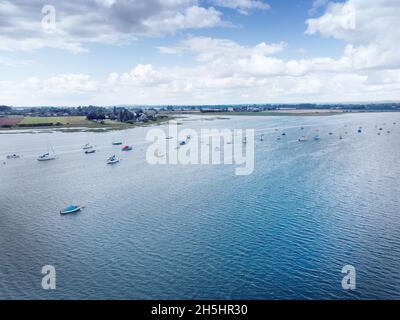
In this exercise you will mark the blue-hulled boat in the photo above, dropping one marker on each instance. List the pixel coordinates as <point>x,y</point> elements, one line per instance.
<point>71,209</point>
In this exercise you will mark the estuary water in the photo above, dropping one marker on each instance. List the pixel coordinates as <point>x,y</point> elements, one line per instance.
<point>201,232</point>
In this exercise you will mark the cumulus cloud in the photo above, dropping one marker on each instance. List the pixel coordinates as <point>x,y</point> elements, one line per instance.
<point>243,6</point>
<point>317,5</point>
<point>371,28</point>
<point>98,21</point>
<point>225,71</point>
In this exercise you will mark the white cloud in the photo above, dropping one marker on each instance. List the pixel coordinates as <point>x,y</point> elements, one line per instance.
<point>243,6</point>
<point>225,71</point>
<point>371,28</point>
<point>317,5</point>
<point>98,21</point>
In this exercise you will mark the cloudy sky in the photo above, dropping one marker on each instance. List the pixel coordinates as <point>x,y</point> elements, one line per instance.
<point>161,52</point>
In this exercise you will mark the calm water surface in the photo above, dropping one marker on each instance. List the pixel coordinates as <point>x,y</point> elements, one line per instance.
<point>200,232</point>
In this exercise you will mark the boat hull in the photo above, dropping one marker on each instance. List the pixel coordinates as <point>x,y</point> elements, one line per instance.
<point>70,211</point>
<point>46,159</point>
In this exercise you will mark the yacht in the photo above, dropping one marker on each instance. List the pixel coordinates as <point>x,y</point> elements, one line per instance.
<point>113,160</point>
<point>46,157</point>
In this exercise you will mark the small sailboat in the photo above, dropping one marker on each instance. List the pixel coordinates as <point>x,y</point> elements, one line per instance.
<point>90,150</point>
<point>317,137</point>
<point>50,155</point>
<point>71,209</point>
<point>302,139</point>
<point>245,140</point>
<point>46,157</point>
<point>113,160</point>
<point>169,138</point>
<point>262,138</point>
<point>87,146</point>
<point>127,148</point>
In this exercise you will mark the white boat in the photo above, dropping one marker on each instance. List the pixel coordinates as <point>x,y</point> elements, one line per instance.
<point>13,156</point>
<point>90,150</point>
<point>46,157</point>
<point>87,146</point>
<point>317,137</point>
<point>50,155</point>
<point>302,139</point>
<point>117,143</point>
<point>113,160</point>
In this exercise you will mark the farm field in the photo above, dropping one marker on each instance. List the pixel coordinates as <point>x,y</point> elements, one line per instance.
<point>54,120</point>
<point>10,121</point>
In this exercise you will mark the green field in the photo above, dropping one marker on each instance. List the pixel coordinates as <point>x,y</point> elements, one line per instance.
<point>54,120</point>
<point>71,123</point>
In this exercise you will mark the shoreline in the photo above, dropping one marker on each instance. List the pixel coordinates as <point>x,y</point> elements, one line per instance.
<point>92,127</point>
<point>278,113</point>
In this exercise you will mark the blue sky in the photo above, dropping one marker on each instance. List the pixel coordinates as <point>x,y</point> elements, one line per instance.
<point>195,52</point>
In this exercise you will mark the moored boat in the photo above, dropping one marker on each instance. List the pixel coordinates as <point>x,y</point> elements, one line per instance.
<point>127,148</point>
<point>71,209</point>
<point>90,150</point>
<point>46,157</point>
<point>113,160</point>
<point>13,156</point>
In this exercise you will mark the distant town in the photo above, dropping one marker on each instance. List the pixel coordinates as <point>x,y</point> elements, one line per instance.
<point>119,117</point>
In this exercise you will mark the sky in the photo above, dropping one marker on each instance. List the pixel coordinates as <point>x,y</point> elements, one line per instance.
<point>195,52</point>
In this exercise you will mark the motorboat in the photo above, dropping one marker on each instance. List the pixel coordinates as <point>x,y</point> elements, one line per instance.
<point>90,150</point>
<point>113,160</point>
<point>117,143</point>
<point>13,156</point>
<point>127,148</point>
<point>302,139</point>
<point>71,209</point>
